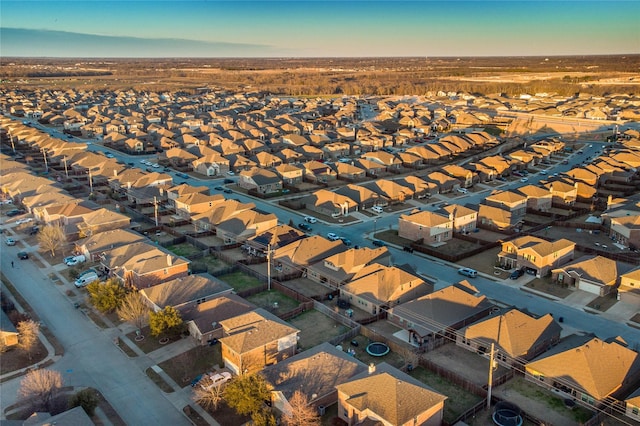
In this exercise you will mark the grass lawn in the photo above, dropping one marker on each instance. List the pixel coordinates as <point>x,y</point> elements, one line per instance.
<point>184,249</point>
<point>225,415</point>
<point>273,301</point>
<point>150,343</point>
<point>212,264</point>
<point>159,381</point>
<point>545,285</point>
<point>391,237</point>
<point>188,365</point>
<point>551,402</point>
<point>240,281</point>
<point>391,358</point>
<point>458,400</point>
<point>603,303</point>
<point>315,328</point>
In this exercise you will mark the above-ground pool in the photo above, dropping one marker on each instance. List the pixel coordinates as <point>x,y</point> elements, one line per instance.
<point>377,349</point>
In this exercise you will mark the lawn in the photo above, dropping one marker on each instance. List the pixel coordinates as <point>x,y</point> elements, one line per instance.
<point>211,263</point>
<point>150,343</point>
<point>315,328</point>
<point>458,400</point>
<point>240,281</point>
<point>273,301</point>
<point>391,358</point>
<point>545,285</point>
<point>188,365</point>
<point>603,303</point>
<point>159,381</point>
<point>184,249</point>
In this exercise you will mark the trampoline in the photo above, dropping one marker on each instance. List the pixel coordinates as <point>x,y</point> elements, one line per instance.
<point>507,414</point>
<point>377,349</point>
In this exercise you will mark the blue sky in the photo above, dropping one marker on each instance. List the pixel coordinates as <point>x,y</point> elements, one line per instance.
<point>305,28</point>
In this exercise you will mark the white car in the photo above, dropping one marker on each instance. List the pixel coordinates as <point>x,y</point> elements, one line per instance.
<point>143,161</point>
<point>74,260</point>
<point>25,220</point>
<point>310,219</point>
<point>332,237</point>
<point>109,155</point>
<point>230,173</point>
<point>377,209</point>
<point>468,272</point>
<point>523,180</point>
<point>155,165</point>
<point>463,190</point>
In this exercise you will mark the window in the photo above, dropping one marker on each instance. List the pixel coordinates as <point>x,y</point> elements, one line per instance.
<point>634,411</point>
<point>166,271</point>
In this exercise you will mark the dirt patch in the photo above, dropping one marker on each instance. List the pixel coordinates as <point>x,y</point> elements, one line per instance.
<point>188,365</point>
<point>315,328</point>
<point>545,285</point>
<point>467,364</point>
<point>273,301</point>
<point>485,262</point>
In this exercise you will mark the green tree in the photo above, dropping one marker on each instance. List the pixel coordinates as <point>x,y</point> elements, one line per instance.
<point>166,321</point>
<point>87,399</point>
<point>107,296</point>
<point>264,417</point>
<point>246,394</point>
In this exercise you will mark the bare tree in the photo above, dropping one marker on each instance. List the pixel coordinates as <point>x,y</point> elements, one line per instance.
<point>51,238</point>
<point>28,335</point>
<point>40,388</point>
<point>207,394</point>
<point>134,310</point>
<point>301,414</point>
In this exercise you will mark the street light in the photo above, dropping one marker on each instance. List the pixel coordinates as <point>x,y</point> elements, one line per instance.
<point>375,222</point>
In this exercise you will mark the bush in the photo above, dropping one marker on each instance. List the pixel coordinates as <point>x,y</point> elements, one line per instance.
<point>87,399</point>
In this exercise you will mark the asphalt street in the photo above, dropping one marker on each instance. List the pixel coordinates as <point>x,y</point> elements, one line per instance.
<point>90,356</point>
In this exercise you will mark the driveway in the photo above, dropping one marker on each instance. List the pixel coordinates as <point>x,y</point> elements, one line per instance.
<point>90,358</point>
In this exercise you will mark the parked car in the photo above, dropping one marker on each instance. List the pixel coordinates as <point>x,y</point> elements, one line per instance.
<point>377,209</point>
<point>408,249</point>
<point>379,243</point>
<point>195,381</point>
<point>463,190</point>
<point>332,237</point>
<point>524,179</point>
<point>10,242</point>
<point>74,260</point>
<point>468,272</point>
<point>24,220</point>
<point>229,181</point>
<point>86,279</point>
<point>109,155</point>
<point>227,191</point>
<point>310,219</point>
<point>34,230</point>
<point>22,255</point>
<point>15,212</point>
<point>230,173</point>
<point>304,227</point>
<point>345,241</point>
<point>219,188</point>
<point>516,274</point>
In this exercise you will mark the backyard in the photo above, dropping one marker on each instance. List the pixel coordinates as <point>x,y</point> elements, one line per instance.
<point>273,301</point>
<point>315,328</point>
<point>458,400</point>
<point>184,249</point>
<point>240,281</point>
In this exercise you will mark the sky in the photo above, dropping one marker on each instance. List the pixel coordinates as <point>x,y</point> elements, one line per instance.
<point>307,28</point>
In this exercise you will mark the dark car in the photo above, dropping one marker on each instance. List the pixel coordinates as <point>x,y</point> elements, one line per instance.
<point>408,249</point>
<point>516,274</point>
<point>379,243</point>
<point>195,381</point>
<point>345,241</point>
<point>218,188</point>
<point>228,181</point>
<point>227,191</point>
<point>34,230</point>
<point>23,255</point>
<point>304,227</point>
<point>15,212</point>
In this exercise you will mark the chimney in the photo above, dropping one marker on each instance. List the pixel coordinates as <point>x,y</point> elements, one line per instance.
<point>115,173</point>
<point>609,200</point>
<point>372,368</point>
<point>169,260</point>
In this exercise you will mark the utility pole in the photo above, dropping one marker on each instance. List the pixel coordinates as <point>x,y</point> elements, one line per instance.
<point>44,155</point>
<point>66,172</point>
<point>155,209</point>
<point>269,267</point>
<point>491,361</point>
<point>90,182</point>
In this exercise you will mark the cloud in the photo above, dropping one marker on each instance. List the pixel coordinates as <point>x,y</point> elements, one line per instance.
<point>47,43</point>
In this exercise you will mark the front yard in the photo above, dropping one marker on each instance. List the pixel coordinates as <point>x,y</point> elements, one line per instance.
<point>188,365</point>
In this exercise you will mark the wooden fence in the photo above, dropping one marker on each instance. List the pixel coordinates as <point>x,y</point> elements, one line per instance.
<point>453,377</point>
<point>336,316</point>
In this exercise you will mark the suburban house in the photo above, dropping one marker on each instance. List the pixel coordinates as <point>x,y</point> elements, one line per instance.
<point>460,173</point>
<point>594,274</point>
<point>376,287</point>
<point>443,182</point>
<point>290,174</point>
<point>203,319</point>
<point>496,218</point>
<point>625,230</point>
<point>316,372</point>
<point>463,218</point>
<point>8,332</point>
<point>338,269</point>
<point>577,371</point>
<point>211,165</point>
<point>363,197</point>
<point>93,246</point>
<point>261,180</point>
<point>437,314</point>
<point>297,256</point>
<point>256,339</point>
<point>349,172</point>
<point>517,336</point>
<point>632,405</point>
<point>535,255</point>
<point>330,203</point>
<point>273,238</point>
<point>418,187</point>
<point>511,201</point>
<point>538,198</point>
<point>194,203</point>
<point>386,395</point>
<point>430,227</point>
<point>316,171</point>
<point>629,289</point>
<point>208,221</point>
<point>244,225</point>
<point>143,264</point>
<point>562,192</point>
<point>390,190</point>
<point>184,291</point>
